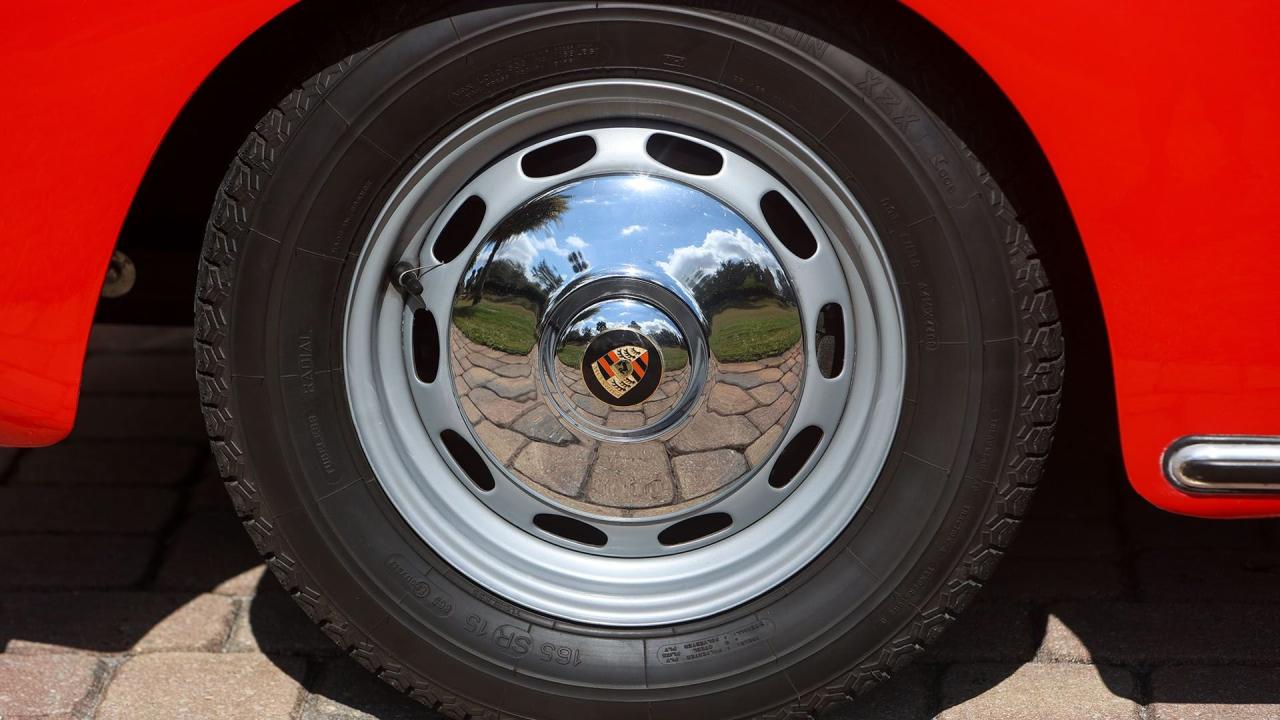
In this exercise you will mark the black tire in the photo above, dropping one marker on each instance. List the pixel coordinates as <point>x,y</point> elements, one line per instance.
<point>985,366</point>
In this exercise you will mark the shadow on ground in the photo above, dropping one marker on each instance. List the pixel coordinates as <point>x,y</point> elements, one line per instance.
<point>120,543</point>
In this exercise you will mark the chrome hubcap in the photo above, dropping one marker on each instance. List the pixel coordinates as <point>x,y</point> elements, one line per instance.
<point>654,368</point>
<point>626,314</point>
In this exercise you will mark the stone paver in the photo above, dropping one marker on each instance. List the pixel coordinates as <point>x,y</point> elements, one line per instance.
<point>730,400</point>
<point>499,398</point>
<point>1214,693</point>
<point>161,374</point>
<point>790,381</point>
<point>471,411</point>
<point>503,443</point>
<point>499,410</point>
<point>713,432</point>
<point>992,631</point>
<point>1238,575</point>
<point>158,606</point>
<point>910,696</point>
<point>478,376</point>
<point>165,686</point>
<point>541,425</point>
<point>518,388</point>
<point>272,623</point>
<point>1133,633</point>
<point>8,460</point>
<point>141,341</point>
<point>86,509</point>
<point>760,450</point>
<point>346,691</point>
<point>623,420</point>
<point>209,492</point>
<point>768,415</point>
<point>188,564</point>
<point>631,476</point>
<point>701,473</point>
<point>1036,691</point>
<point>49,686</point>
<point>142,417</point>
<point>73,561</point>
<point>1053,539</point>
<point>1049,580</point>
<point>562,469</point>
<point>746,381</point>
<point>766,394</point>
<point>110,463</point>
<point>1148,527</point>
<point>113,622</point>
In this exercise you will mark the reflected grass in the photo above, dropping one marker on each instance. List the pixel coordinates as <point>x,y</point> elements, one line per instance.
<point>571,355</point>
<point>506,327</point>
<point>754,332</point>
<point>674,359</point>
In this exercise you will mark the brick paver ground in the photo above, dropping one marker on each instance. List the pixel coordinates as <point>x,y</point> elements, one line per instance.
<point>742,423</point>
<point>128,590</point>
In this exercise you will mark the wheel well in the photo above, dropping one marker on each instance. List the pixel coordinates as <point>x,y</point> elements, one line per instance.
<point>165,225</point>
<point>164,228</point>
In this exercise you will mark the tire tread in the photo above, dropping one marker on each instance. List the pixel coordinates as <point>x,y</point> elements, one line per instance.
<point>225,236</point>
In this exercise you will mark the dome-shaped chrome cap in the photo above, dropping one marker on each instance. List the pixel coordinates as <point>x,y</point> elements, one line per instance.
<point>626,345</point>
<point>622,368</point>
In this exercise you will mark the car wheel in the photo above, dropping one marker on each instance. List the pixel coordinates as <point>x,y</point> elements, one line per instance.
<point>617,361</point>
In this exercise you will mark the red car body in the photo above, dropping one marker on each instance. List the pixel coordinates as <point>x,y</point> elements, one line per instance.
<point>1159,123</point>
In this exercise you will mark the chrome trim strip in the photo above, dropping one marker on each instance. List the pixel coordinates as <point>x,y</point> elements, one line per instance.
<point>1224,464</point>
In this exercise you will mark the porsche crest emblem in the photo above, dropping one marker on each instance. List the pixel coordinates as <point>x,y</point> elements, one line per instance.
<point>621,367</point>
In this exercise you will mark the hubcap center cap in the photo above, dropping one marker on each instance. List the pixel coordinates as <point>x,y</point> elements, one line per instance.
<point>622,368</point>
<point>614,346</point>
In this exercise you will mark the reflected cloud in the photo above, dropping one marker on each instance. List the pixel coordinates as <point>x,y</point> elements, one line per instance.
<point>691,263</point>
<point>523,248</point>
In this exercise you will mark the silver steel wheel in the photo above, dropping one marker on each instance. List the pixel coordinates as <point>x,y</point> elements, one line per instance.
<point>648,363</point>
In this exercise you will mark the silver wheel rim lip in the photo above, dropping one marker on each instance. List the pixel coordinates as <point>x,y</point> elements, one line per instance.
<point>609,590</point>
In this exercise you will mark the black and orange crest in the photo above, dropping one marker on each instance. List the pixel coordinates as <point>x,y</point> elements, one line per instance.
<point>621,367</point>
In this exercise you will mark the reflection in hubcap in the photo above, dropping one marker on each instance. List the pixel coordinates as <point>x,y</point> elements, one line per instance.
<point>611,346</point>
<point>630,345</point>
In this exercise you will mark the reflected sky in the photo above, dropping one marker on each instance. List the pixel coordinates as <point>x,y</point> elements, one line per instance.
<point>624,314</point>
<point>636,225</point>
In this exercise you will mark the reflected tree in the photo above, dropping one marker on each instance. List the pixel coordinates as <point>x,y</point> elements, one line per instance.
<point>735,281</point>
<point>530,217</point>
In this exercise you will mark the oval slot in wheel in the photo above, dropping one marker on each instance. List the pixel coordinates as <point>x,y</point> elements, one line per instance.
<point>787,225</point>
<point>571,529</point>
<point>829,340</point>
<point>684,155</point>
<point>695,528</point>
<point>426,346</point>
<point>460,230</point>
<point>794,456</point>
<point>468,459</point>
<point>558,157</point>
